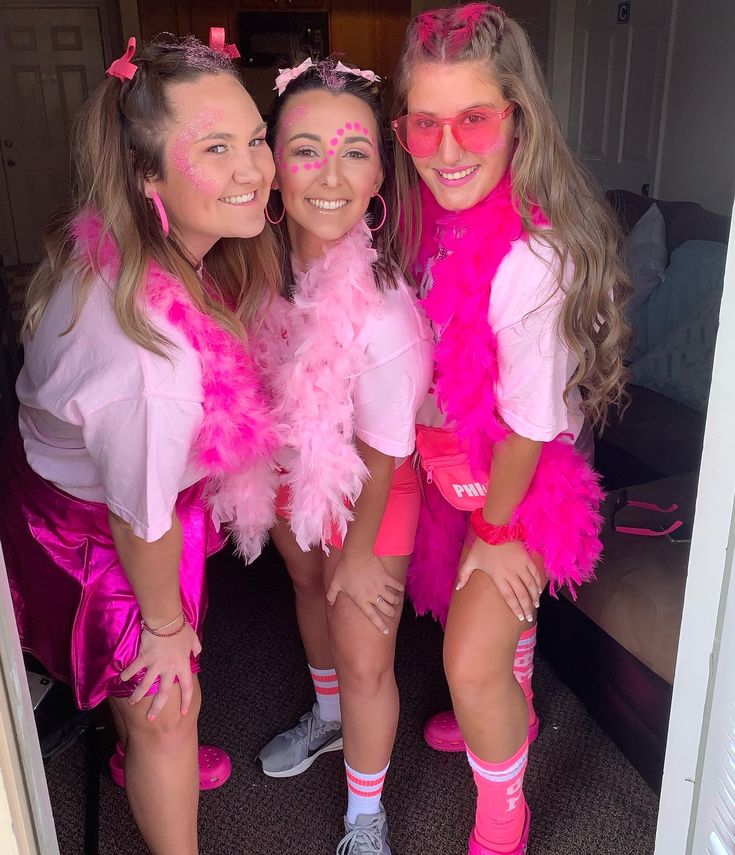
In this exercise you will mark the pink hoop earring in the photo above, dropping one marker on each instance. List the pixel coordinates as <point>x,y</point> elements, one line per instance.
<point>161,211</point>
<point>385,215</point>
<point>272,221</point>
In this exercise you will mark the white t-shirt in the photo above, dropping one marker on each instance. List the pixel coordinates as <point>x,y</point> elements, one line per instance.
<point>105,419</point>
<point>397,373</point>
<point>534,362</point>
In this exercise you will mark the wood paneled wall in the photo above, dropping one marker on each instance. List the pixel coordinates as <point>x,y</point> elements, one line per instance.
<point>367,33</point>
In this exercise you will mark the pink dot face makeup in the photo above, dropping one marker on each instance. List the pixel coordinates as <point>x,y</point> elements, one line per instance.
<point>300,112</point>
<point>331,168</point>
<point>181,150</point>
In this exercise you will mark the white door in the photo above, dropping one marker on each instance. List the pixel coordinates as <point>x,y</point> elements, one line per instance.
<point>697,809</point>
<point>49,64</point>
<point>617,88</point>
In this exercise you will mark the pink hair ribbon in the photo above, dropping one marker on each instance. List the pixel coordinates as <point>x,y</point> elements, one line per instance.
<point>217,42</point>
<point>122,67</point>
<point>371,76</point>
<point>286,75</point>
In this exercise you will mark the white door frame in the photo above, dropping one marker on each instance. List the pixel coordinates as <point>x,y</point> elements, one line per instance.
<point>26,821</point>
<point>710,564</point>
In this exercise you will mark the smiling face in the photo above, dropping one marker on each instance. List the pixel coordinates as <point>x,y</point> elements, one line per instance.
<point>327,167</point>
<point>457,178</point>
<point>218,167</point>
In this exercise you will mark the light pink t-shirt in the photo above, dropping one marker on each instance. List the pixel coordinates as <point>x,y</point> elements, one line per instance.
<point>105,419</point>
<point>534,362</point>
<point>397,373</point>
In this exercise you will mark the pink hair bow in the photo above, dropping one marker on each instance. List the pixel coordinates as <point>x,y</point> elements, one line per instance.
<point>217,42</point>
<point>123,67</point>
<point>286,75</point>
<point>371,76</point>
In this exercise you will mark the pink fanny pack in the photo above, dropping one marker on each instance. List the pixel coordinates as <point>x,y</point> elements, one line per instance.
<point>447,466</point>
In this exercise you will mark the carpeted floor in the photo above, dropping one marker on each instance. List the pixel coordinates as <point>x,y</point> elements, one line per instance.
<point>585,797</point>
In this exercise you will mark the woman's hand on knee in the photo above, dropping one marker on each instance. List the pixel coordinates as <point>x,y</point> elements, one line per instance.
<point>369,585</point>
<point>167,658</point>
<point>512,571</point>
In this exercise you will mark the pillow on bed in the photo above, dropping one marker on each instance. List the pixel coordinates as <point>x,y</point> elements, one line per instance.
<point>645,260</point>
<point>696,273</point>
<point>681,366</point>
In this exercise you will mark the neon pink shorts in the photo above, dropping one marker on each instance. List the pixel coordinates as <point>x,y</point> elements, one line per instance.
<point>397,532</point>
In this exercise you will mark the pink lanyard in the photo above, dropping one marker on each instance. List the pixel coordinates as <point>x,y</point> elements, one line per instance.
<point>622,501</point>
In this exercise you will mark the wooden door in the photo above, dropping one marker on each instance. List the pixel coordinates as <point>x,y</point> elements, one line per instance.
<point>51,60</point>
<point>618,76</point>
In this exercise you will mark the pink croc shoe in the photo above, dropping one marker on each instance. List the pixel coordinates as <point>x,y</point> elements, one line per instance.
<point>215,767</point>
<point>442,732</point>
<point>476,848</point>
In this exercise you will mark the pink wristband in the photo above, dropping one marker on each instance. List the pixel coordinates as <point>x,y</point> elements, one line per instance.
<point>495,534</point>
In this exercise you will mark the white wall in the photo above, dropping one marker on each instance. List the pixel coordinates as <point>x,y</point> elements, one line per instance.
<point>698,155</point>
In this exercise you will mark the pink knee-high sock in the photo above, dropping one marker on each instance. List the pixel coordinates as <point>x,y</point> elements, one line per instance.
<point>523,668</point>
<point>501,806</point>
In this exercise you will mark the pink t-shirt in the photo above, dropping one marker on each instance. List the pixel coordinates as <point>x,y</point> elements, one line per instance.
<point>397,373</point>
<point>105,419</point>
<point>534,362</point>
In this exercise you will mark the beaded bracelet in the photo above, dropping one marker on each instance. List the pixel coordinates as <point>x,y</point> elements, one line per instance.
<point>159,634</point>
<point>495,534</point>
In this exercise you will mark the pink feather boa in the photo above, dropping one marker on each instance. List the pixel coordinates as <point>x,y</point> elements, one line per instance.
<point>237,439</point>
<point>561,509</point>
<point>311,351</point>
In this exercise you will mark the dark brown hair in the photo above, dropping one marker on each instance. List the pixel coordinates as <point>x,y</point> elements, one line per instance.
<point>323,77</point>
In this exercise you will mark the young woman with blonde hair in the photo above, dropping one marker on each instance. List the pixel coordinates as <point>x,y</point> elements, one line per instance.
<point>141,415</point>
<point>517,257</point>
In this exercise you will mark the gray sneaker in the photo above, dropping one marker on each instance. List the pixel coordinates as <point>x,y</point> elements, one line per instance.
<point>292,752</point>
<point>367,836</point>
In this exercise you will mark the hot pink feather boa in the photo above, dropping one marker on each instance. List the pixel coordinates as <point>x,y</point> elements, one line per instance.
<point>561,509</point>
<point>237,439</point>
<point>310,351</point>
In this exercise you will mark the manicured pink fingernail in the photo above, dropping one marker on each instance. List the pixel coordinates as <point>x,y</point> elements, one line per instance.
<point>151,718</point>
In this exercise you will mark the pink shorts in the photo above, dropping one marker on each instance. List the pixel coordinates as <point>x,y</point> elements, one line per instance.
<point>397,532</point>
<point>75,609</point>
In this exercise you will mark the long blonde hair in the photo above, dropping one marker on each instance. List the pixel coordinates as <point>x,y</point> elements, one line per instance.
<point>117,143</point>
<point>583,233</point>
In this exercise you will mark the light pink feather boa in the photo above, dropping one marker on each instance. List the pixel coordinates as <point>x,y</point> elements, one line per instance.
<point>236,442</point>
<point>561,509</point>
<point>310,351</point>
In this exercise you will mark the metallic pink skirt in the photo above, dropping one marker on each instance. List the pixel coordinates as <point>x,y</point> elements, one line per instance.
<point>75,609</point>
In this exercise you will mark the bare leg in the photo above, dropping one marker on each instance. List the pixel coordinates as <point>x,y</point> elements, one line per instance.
<point>364,659</point>
<point>305,570</point>
<point>479,647</point>
<point>161,772</point>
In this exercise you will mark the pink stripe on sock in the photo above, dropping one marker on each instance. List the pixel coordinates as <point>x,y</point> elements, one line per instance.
<point>324,678</point>
<point>365,782</point>
<point>326,690</point>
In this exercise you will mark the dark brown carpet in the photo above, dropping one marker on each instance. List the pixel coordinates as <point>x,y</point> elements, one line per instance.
<point>585,797</point>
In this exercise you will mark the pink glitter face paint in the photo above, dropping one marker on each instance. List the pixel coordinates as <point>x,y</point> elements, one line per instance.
<point>294,168</point>
<point>294,115</point>
<point>181,151</point>
<point>499,143</point>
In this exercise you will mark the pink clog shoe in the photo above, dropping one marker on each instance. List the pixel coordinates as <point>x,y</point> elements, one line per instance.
<point>442,732</point>
<point>215,767</point>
